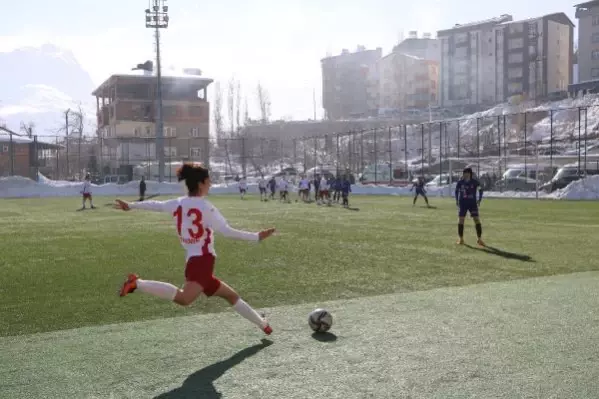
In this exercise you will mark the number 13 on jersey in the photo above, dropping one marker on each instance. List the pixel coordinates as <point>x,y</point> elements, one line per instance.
<point>197,229</point>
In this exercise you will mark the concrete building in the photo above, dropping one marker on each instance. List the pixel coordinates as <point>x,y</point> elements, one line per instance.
<point>489,61</point>
<point>407,81</point>
<point>588,41</point>
<point>126,120</point>
<point>350,84</point>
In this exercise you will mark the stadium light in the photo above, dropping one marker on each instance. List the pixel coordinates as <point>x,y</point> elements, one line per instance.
<point>157,18</point>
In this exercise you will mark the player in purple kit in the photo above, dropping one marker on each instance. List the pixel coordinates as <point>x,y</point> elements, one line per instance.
<point>419,186</point>
<point>465,197</point>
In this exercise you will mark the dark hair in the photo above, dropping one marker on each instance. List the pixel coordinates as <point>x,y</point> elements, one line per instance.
<point>194,174</point>
<point>468,170</point>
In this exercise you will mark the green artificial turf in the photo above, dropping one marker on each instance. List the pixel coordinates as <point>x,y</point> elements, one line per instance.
<point>61,269</point>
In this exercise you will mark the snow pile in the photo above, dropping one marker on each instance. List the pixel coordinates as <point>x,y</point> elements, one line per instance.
<point>21,187</point>
<point>585,189</point>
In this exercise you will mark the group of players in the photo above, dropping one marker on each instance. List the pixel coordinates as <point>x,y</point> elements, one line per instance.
<point>196,220</point>
<point>323,186</point>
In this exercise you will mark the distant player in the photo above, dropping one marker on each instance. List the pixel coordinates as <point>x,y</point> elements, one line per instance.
<point>345,190</point>
<point>142,189</point>
<point>262,188</point>
<point>243,187</point>
<point>324,191</point>
<point>465,196</point>
<point>419,186</point>
<point>86,192</point>
<point>283,189</point>
<point>272,184</point>
<point>336,187</point>
<point>304,189</point>
<point>196,220</point>
<point>316,184</point>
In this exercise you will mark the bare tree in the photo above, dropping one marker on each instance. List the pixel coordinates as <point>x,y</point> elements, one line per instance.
<point>246,112</point>
<point>231,106</point>
<point>217,111</point>
<point>264,103</point>
<point>27,128</point>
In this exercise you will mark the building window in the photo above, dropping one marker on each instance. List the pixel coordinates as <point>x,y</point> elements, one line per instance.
<point>595,37</point>
<point>5,148</point>
<point>148,131</point>
<point>595,72</point>
<point>195,152</point>
<point>195,132</point>
<point>195,111</point>
<point>514,73</point>
<point>516,43</point>
<point>137,132</point>
<point>595,20</point>
<point>170,151</point>
<point>515,88</point>
<point>515,58</point>
<point>595,55</point>
<point>170,132</point>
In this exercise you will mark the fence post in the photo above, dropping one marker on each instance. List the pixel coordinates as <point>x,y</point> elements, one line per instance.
<point>11,154</point>
<point>499,142</point>
<point>422,151</point>
<point>376,161</point>
<point>79,152</point>
<point>525,145</point>
<point>458,139</point>
<point>551,140</point>
<point>585,140</point>
<point>405,149</point>
<point>505,144</point>
<point>35,158</point>
<point>315,155</point>
<point>294,153</point>
<point>579,123</point>
<point>243,158</point>
<point>338,154</point>
<point>361,151</point>
<point>478,147</point>
<point>390,159</point>
<point>305,156</point>
<point>440,153</point>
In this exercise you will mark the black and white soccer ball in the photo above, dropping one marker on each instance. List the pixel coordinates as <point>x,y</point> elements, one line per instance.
<point>320,320</point>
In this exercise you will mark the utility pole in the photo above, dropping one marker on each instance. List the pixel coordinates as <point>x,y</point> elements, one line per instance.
<point>66,138</point>
<point>157,18</point>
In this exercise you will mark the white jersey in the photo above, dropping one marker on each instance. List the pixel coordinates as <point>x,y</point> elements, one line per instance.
<point>196,220</point>
<point>262,183</point>
<point>304,184</point>
<point>324,185</point>
<point>243,184</point>
<point>283,185</point>
<point>87,187</point>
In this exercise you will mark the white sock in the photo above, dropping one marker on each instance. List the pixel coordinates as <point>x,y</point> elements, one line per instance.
<point>157,288</point>
<point>249,313</point>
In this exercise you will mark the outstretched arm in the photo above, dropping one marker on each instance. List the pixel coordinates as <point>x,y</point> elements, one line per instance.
<point>457,192</point>
<point>480,194</point>
<point>220,224</point>
<point>156,206</point>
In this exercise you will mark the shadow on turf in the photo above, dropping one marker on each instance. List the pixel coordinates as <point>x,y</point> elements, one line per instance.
<point>201,383</point>
<point>353,209</point>
<point>502,253</point>
<point>324,337</point>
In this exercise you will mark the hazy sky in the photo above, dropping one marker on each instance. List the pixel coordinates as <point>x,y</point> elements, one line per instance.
<point>279,43</point>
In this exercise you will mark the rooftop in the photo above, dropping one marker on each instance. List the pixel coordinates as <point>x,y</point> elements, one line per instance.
<point>198,80</point>
<point>507,19</point>
<point>587,4</point>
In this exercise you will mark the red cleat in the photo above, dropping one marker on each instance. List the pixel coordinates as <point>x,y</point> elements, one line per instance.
<point>130,285</point>
<point>267,330</point>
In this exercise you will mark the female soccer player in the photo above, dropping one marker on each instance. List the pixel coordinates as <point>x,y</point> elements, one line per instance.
<point>466,201</point>
<point>196,220</point>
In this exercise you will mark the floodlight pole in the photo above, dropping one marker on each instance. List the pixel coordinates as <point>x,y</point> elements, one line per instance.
<point>157,18</point>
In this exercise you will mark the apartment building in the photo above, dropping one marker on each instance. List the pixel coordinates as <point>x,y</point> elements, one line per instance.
<point>407,81</point>
<point>126,116</point>
<point>588,41</point>
<point>350,84</point>
<point>489,61</point>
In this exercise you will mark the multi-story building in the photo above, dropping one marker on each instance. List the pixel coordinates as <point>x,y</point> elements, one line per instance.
<point>588,41</point>
<point>489,61</point>
<point>350,84</point>
<point>424,47</point>
<point>407,81</point>
<point>127,119</point>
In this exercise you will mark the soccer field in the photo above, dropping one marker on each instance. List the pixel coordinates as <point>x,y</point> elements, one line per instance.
<point>415,315</point>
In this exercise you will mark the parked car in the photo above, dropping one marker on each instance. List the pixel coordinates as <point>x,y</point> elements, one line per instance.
<point>568,174</point>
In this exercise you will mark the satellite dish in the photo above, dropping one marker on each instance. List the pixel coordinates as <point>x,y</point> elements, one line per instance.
<point>192,71</point>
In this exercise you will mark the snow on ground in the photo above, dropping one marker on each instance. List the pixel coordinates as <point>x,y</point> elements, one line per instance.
<point>21,187</point>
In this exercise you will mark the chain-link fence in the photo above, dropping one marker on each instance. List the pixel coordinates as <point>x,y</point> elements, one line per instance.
<point>531,146</point>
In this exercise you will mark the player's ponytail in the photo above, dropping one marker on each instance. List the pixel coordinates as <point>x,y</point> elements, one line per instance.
<point>194,175</point>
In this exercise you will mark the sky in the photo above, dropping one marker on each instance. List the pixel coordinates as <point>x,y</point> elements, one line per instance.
<point>276,43</point>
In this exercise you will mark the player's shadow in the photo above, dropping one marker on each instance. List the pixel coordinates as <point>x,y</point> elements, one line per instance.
<point>201,383</point>
<point>324,336</point>
<point>349,208</point>
<point>502,253</point>
<point>429,207</point>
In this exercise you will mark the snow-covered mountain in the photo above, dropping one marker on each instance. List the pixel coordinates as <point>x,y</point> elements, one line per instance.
<point>38,84</point>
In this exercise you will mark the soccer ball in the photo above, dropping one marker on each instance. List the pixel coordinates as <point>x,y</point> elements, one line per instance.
<point>320,320</point>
